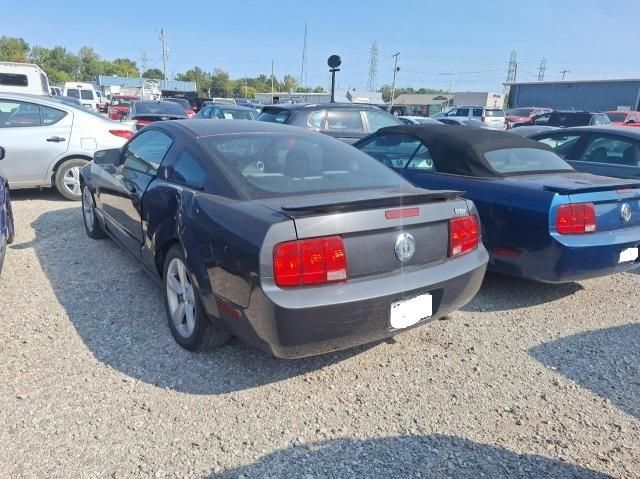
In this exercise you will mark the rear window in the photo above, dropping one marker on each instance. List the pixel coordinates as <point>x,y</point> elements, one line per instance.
<point>274,116</point>
<point>86,95</point>
<point>184,103</point>
<point>73,93</point>
<point>617,117</point>
<point>165,107</point>
<point>120,102</point>
<point>520,111</point>
<point>569,119</point>
<point>494,113</point>
<point>525,160</point>
<point>273,165</point>
<point>233,114</point>
<point>13,79</point>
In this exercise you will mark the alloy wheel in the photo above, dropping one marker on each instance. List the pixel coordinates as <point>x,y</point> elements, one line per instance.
<point>87,208</point>
<point>71,180</point>
<point>181,298</point>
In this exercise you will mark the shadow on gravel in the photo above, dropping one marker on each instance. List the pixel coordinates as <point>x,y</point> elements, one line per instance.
<point>501,292</point>
<point>47,194</point>
<point>435,456</point>
<point>119,313</point>
<point>605,361</point>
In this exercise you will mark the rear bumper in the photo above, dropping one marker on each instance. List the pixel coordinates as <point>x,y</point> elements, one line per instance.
<point>310,321</point>
<point>569,260</point>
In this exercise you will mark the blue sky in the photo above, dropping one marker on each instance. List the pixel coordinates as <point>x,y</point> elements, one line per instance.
<point>465,43</point>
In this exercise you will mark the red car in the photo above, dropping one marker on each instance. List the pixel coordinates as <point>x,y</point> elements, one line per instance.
<point>185,104</point>
<point>624,118</point>
<point>524,116</point>
<point>120,106</point>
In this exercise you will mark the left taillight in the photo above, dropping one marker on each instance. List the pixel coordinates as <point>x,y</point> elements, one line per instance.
<point>122,133</point>
<point>463,235</point>
<point>576,218</point>
<point>310,262</point>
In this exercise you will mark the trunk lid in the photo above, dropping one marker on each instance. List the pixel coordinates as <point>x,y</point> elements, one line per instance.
<point>616,201</point>
<point>370,223</point>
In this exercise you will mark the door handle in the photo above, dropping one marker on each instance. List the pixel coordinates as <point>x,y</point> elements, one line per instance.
<point>55,139</point>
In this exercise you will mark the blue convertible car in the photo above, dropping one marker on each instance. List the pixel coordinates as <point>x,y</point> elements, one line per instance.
<point>541,219</point>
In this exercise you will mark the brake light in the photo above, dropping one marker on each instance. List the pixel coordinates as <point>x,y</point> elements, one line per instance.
<point>122,133</point>
<point>312,261</point>
<point>463,235</point>
<point>402,213</point>
<point>578,218</point>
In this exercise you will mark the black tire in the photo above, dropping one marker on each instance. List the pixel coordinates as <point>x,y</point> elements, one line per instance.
<point>206,335</point>
<point>91,223</point>
<point>62,171</point>
<point>11,227</point>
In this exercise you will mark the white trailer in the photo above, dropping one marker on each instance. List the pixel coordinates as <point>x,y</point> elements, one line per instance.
<point>23,78</point>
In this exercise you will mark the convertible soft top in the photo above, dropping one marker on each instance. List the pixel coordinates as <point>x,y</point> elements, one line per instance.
<point>464,146</point>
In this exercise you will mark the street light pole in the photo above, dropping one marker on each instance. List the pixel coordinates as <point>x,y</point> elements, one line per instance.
<point>393,86</point>
<point>334,62</point>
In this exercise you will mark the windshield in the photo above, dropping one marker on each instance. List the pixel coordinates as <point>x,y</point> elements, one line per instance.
<point>182,102</point>
<point>272,165</point>
<point>121,102</point>
<point>233,114</point>
<point>73,92</point>
<point>520,111</point>
<point>617,117</point>
<point>274,116</point>
<point>158,108</point>
<point>569,119</point>
<point>525,160</point>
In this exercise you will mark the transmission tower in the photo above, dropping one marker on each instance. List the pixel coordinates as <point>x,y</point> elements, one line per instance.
<point>372,82</point>
<point>543,67</point>
<point>512,72</point>
<point>143,62</point>
<point>303,68</point>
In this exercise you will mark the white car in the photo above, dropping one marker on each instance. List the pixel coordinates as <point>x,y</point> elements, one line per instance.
<point>494,118</point>
<point>83,92</point>
<point>103,101</point>
<point>418,120</point>
<point>47,140</point>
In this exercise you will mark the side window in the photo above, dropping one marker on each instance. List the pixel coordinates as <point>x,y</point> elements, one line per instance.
<point>463,112</point>
<point>145,152</point>
<point>632,119</point>
<point>316,119</point>
<point>453,112</point>
<point>206,113</point>
<point>51,115</point>
<point>613,151</point>
<point>13,79</point>
<point>188,170</point>
<point>422,160</point>
<point>344,120</point>
<point>561,144</point>
<point>18,114</point>
<point>378,119</point>
<point>478,112</point>
<point>394,151</point>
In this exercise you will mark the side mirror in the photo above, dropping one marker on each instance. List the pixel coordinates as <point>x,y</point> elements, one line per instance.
<point>2,152</point>
<point>107,157</point>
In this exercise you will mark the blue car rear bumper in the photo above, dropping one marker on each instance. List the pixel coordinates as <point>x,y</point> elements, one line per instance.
<point>567,258</point>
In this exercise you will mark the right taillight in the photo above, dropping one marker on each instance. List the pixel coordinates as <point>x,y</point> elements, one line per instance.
<point>463,234</point>
<point>578,218</point>
<point>310,262</point>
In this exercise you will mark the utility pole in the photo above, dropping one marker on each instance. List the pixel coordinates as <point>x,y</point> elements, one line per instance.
<point>543,67</point>
<point>393,86</point>
<point>512,72</point>
<point>272,82</point>
<point>564,72</point>
<point>303,79</point>
<point>165,51</point>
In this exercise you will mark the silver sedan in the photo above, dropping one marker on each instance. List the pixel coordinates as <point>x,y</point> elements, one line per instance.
<point>47,141</point>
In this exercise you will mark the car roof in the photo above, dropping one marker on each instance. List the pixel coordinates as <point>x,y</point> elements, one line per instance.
<point>322,106</point>
<point>229,106</point>
<point>616,130</point>
<point>199,128</point>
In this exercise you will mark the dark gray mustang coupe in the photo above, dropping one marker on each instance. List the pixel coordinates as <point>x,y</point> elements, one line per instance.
<point>292,240</point>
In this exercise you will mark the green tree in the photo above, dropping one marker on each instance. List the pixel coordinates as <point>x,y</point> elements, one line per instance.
<point>221,84</point>
<point>318,89</point>
<point>124,67</point>
<point>197,75</point>
<point>13,49</point>
<point>153,74</point>
<point>289,83</point>
<point>91,64</point>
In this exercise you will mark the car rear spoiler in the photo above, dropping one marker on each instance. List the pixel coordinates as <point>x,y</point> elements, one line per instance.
<point>396,200</point>
<point>592,188</point>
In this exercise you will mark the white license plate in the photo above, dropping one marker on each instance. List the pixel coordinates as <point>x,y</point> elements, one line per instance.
<point>409,311</point>
<point>629,254</point>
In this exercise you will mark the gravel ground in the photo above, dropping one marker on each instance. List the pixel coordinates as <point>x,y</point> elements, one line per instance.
<point>529,380</point>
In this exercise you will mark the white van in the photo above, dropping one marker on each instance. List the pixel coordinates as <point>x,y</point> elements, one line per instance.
<point>23,78</point>
<point>83,92</point>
